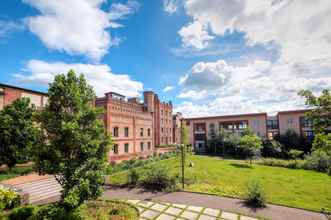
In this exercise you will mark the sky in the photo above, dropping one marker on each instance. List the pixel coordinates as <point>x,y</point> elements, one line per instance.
<point>209,57</point>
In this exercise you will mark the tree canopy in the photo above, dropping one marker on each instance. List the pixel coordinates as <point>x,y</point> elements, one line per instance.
<point>17,133</point>
<point>74,143</point>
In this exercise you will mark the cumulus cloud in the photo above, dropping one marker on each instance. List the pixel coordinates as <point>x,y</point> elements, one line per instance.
<point>171,6</point>
<point>259,85</point>
<point>77,26</point>
<point>99,76</point>
<point>168,88</point>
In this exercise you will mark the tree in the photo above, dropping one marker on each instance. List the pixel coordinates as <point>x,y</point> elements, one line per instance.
<point>185,134</point>
<point>320,109</point>
<point>251,146</point>
<point>74,143</point>
<point>290,139</point>
<point>17,133</point>
<point>323,142</point>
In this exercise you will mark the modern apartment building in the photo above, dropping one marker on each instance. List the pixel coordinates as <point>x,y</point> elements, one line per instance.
<point>204,128</point>
<point>136,127</point>
<point>9,94</point>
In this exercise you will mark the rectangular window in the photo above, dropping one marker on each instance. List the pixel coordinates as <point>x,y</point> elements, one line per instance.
<point>141,146</point>
<point>126,147</point>
<point>115,148</point>
<point>290,121</point>
<point>149,145</point>
<point>141,132</point>
<point>126,132</point>
<point>149,132</point>
<point>115,131</point>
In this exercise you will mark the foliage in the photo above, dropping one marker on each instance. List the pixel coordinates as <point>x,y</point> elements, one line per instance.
<point>133,177</point>
<point>323,142</point>
<point>23,213</point>
<point>320,109</point>
<point>295,154</point>
<point>250,145</point>
<point>255,195</point>
<point>8,199</point>
<point>158,178</point>
<point>292,164</point>
<point>318,160</point>
<point>271,148</point>
<point>289,140</point>
<point>74,143</point>
<point>219,176</point>
<point>166,145</point>
<point>17,133</point>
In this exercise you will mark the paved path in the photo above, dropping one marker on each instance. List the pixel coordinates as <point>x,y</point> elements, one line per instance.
<point>170,211</point>
<point>273,212</point>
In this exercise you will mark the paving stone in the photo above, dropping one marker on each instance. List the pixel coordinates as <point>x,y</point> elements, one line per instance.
<point>173,211</point>
<point>206,217</point>
<point>189,215</point>
<point>149,214</point>
<point>140,209</point>
<point>229,216</point>
<point>212,212</point>
<point>247,218</point>
<point>132,201</point>
<point>165,217</point>
<point>179,206</point>
<point>146,204</point>
<point>159,207</point>
<point>195,208</point>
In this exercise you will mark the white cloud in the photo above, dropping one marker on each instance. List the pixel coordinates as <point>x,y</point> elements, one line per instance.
<point>7,27</point>
<point>99,76</point>
<point>259,85</point>
<point>120,11</point>
<point>76,26</point>
<point>168,88</point>
<point>171,6</point>
<point>195,35</point>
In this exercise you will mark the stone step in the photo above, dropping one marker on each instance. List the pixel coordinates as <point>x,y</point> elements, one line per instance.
<point>39,197</point>
<point>35,183</point>
<point>42,187</point>
<point>47,200</point>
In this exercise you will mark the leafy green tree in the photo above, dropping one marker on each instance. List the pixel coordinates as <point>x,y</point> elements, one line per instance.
<point>185,134</point>
<point>323,142</point>
<point>320,109</point>
<point>74,142</point>
<point>251,146</point>
<point>290,139</point>
<point>17,133</point>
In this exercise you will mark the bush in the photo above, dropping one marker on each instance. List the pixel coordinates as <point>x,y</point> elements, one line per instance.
<point>8,199</point>
<point>293,164</point>
<point>133,177</point>
<point>22,213</point>
<point>57,212</point>
<point>255,195</point>
<point>158,178</point>
<point>318,160</point>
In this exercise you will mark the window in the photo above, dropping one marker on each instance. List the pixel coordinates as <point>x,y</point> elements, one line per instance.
<point>162,130</point>
<point>115,148</point>
<point>272,124</point>
<point>149,145</point>
<point>149,132</point>
<point>126,132</point>
<point>141,146</point>
<point>115,131</point>
<point>141,132</point>
<point>290,121</point>
<point>126,147</point>
<point>309,134</point>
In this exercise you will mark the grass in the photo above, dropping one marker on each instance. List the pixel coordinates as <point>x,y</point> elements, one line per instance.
<point>14,172</point>
<point>290,187</point>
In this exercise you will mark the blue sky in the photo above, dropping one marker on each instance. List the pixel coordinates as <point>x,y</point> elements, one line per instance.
<point>208,57</point>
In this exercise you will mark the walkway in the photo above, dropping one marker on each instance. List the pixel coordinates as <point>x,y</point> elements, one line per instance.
<point>273,212</point>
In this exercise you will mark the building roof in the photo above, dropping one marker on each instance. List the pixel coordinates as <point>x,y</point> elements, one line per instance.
<point>294,111</point>
<point>24,89</point>
<point>226,116</point>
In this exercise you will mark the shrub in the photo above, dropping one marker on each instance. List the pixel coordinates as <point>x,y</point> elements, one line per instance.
<point>57,212</point>
<point>159,179</point>
<point>271,148</point>
<point>318,160</point>
<point>295,153</point>
<point>8,199</point>
<point>22,213</point>
<point>255,195</point>
<point>133,177</point>
<point>251,146</point>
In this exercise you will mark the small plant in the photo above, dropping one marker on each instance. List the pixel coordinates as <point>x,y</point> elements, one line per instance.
<point>22,213</point>
<point>255,195</point>
<point>8,199</point>
<point>133,177</point>
<point>295,154</point>
<point>158,179</point>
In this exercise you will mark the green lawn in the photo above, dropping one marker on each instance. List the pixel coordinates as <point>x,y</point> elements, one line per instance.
<point>16,171</point>
<point>291,187</point>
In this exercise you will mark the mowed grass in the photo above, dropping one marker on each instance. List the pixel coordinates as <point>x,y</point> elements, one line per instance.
<point>14,172</point>
<point>291,187</point>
